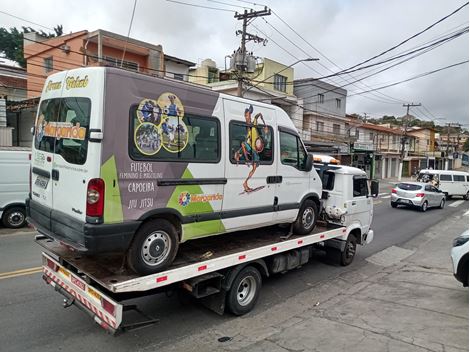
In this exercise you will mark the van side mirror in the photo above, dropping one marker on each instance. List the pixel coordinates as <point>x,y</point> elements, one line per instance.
<point>374,188</point>
<point>308,163</point>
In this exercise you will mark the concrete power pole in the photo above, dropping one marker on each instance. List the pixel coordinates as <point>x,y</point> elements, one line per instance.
<point>449,125</point>
<point>245,16</point>
<point>404,137</point>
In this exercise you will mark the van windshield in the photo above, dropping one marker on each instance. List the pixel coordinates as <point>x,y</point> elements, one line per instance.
<point>62,128</point>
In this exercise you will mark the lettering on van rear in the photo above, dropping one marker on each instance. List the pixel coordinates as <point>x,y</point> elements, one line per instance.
<point>76,82</point>
<point>51,85</point>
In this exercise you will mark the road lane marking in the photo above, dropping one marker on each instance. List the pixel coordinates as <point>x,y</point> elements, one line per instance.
<point>456,204</point>
<point>466,213</point>
<point>386,197</point>
<point>21,272</point>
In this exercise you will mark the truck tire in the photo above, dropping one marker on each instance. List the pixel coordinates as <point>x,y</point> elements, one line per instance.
<point>153,248</point>
<point>14,217</point>
<point>347,256</point>
<point>307,218</point>
<point>244,292</point>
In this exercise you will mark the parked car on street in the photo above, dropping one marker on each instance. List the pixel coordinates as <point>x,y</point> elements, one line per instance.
<point>459,255</point>
<point>417,195</point>
<point>14,185</point>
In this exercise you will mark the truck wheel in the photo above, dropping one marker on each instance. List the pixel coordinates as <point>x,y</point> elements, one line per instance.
<point>307,218</point>
<point>14,217</point>
<point>244,291</point>
<point>349,252</point>
<point>153,248</point>
<point>424,207</point>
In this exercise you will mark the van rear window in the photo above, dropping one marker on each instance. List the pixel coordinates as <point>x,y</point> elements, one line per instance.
<point>62,127</point>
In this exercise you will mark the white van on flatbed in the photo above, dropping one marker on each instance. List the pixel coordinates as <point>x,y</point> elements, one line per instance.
<point>137,165</point>
<point>224,272</point>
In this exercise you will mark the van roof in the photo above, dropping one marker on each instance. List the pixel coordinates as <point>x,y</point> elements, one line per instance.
<point>438,172</point>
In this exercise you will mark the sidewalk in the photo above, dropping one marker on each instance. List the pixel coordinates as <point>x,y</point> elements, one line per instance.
<point>404,299</point>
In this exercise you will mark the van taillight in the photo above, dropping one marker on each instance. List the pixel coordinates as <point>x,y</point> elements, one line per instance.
<point>420,195</point>
<point>95,198</point>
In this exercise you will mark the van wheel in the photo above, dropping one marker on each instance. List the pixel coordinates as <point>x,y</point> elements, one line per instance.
<point>307,218</point>
<point>447,195</point>
<point>154,247</point>
<point>244,292</point>
<point>14,217</point>
<point>347,256</point>
<point>465,196</point>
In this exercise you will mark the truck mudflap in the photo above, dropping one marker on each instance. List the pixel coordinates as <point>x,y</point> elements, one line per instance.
<point>105,312</point>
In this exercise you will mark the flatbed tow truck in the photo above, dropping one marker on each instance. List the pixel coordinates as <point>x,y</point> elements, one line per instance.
<point>224,272</point>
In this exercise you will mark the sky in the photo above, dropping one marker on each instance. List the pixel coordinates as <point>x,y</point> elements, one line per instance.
<point>341,33</point>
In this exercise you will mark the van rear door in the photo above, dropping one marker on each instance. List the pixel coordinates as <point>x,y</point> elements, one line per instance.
<point>77,159</point>
<point>43,145</point>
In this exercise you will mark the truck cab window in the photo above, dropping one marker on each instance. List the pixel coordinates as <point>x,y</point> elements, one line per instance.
<point>360,188</point>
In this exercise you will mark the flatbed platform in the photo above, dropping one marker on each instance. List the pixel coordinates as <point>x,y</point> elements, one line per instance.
<point>194,258</point>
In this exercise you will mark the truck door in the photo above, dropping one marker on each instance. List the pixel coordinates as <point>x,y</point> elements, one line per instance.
<point>250,166</point>
<point>359,206</point>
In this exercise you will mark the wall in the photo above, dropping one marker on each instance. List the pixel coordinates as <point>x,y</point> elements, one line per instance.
<point>172,67</point>
<point>270,68</point>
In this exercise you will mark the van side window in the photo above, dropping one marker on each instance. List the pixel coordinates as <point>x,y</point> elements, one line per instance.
<point>188,138</point>
<point>360,188</point>
<point>292,150</point>
<point>444,177</point>
<point>250,143</point>
<point>459,178</point>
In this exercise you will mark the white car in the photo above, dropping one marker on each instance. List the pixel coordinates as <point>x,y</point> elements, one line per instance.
<point>459,255</point>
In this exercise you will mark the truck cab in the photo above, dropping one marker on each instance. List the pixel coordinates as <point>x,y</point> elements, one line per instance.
<point>347,197</point>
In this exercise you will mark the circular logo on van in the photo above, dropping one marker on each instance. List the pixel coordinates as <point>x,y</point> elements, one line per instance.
<point>184,199</point>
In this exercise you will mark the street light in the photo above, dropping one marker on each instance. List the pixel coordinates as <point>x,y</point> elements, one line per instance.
<point>285,68</point>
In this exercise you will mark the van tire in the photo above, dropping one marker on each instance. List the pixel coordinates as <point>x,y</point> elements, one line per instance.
<point>14,217</point>
<point>305,223</point>
<point>153,248</point>
<point>244,292</point>
<point>465,196</point>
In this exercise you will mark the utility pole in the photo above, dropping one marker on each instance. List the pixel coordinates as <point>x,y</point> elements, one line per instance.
<point>246,16</point>
<point>404,137</point>
<point>449,125</point>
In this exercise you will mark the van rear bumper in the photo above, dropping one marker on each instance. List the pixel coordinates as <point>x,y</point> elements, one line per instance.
<point>81,236</point>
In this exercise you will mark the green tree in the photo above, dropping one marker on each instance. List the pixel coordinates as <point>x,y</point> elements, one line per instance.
<point>11,41</point>
<point>465,146</point>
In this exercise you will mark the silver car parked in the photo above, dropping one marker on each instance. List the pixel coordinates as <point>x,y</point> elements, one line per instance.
<point>418,195</point>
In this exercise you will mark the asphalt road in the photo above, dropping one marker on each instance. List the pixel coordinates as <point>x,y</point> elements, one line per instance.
<point>32,317</point>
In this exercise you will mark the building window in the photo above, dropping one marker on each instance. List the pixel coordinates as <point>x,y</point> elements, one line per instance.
<point>357,133</point>
<point>336,129</point>
<point>212,75</point>
<point>280,83</point>
<point>178,76</point>
<point>371,136</point>
<point>338,103</point>
<point>347,128</point>
<point>320,126</point>
<point>128,65</point>
<point>48,64</point>
<point>321,98</point>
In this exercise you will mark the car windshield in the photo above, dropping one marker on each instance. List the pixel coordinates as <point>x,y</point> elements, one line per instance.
<point>409,186</point>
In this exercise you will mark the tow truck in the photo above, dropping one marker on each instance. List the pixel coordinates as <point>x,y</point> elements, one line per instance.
<point>223,273</point>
